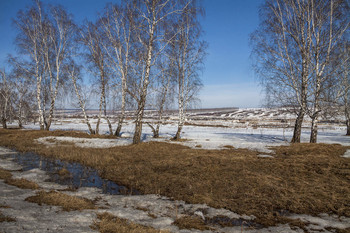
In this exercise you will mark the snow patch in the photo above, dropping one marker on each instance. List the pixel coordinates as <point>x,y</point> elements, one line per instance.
<point>85,142</point>
<point>347,154</point>
<point>265,156</point>
<point>323,221</point>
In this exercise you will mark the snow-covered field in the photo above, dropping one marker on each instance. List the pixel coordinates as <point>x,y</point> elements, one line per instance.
<point>255,129</point>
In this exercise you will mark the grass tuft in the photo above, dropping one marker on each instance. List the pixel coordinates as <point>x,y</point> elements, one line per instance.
<point>189,222</point>
<point>22,183</point>
<point>4,218</point>
<point>5,174</point>
<point>107,223</point>
<point>64,172</point>
<point>67,202</point>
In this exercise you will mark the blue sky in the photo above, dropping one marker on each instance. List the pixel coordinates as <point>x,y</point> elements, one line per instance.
<point>228,77</point>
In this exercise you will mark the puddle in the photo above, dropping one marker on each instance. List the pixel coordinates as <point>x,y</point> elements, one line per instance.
<point>78,176</point>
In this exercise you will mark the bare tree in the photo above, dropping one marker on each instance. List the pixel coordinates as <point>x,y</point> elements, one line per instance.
<point>74,74</point>
<point>153,17</point>
<point>282,50</point>
<point>187,51</point>
<point>330,20</point>
<point>342,85</point>
<point>29,42</point>
<point>292,48</point>
<point>91,37</point>
<point>162,92</point>
<point>57,41</point>
<point>44,38</point>
<point>345,83</point>
<point>117,29</point>
<point>24,100</point>
<point>5,98</point>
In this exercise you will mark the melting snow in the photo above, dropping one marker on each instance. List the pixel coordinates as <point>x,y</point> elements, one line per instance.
<point>31,217</point>
<point>85,142</point>
<point>347,154</point>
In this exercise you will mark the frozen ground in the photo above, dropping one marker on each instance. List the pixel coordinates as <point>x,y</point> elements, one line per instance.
<point>151,210</point>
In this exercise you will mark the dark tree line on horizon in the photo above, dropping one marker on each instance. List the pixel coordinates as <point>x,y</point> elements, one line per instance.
<point>149,53</point>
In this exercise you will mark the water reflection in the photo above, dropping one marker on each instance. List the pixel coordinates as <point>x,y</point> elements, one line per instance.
<point>76,177</point>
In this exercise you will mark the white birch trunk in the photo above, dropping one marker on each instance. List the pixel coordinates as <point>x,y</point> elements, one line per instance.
<point>38,98</point>
<point>142,100</point>
<point>81,104</point>
<point>122,110</point>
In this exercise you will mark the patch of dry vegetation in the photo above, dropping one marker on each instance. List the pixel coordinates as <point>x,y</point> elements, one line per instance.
<point>67,202</point>
<point>64,172</point>
<point>190,222</point>
<point>302,178</point>
<point>22,183</point>
<point>4,174</point>
<point>4,218</point>
<point>108,223</point>
<point>4,206</point>
<point>336,230</point>
<point>229,147</point>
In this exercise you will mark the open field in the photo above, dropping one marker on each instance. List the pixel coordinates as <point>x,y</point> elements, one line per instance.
<point>250,170</point>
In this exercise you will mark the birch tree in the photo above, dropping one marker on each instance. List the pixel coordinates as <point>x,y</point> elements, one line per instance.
<point>292,48</point>
<point>57,44</point>
<point>5,98</point>
<point>345,98</point>
<point>162,92</point>
<point>74,74</point>
<point>152,18</point>
<point>24,101</point>
<point>342,86</point>
<point>330,20</point>
<point>187,51</point>
<point>91,38</point>
<point>282,52</point>
<point>345,84</point>
<point>117,27</point>
<point>44,39</point>
<point>30,43</point>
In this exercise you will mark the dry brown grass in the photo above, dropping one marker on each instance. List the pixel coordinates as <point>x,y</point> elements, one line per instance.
<point>64,172</point>
<point>302,178</point>
<point>336,230</point>
<point>22,183</point>
<point>4,218</point>
<point>189,222</point>
<point>67,202</point>
<point>4,174</point>
<point>4,206</point>
<point>107,223</point>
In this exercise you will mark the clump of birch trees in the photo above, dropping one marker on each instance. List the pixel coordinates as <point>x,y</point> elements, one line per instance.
<point>299,56</point>
<point>141,49</point>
